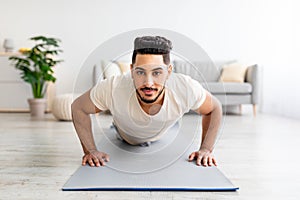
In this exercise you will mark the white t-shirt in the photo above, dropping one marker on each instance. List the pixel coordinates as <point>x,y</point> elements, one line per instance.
<point>118,95</point>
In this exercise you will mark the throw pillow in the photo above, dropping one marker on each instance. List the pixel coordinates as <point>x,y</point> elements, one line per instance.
<point>124,67</point>
<point>110,69</point>
<point>234,72</point>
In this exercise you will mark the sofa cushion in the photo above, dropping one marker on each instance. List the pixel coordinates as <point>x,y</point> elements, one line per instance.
<point>110,69</point>
<point>228,87</point>
<point>234,72</point>
<point>124,67</point>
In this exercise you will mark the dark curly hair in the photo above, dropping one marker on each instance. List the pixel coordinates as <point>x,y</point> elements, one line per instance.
<point>152,45</point>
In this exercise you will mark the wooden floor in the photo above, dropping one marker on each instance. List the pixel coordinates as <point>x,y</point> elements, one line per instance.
<point>259,154</point>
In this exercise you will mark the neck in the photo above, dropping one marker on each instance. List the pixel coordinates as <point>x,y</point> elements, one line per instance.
<point>152,108</point>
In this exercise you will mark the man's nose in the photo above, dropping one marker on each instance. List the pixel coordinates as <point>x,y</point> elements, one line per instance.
<point>149,80</point>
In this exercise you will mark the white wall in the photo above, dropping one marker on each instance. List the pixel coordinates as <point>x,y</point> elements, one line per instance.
<point>264,32</point>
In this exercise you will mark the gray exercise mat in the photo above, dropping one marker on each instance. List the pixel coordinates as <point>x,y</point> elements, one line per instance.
<point>161,166</point>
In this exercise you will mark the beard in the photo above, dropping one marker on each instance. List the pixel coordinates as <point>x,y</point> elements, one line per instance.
<point>149,101</point>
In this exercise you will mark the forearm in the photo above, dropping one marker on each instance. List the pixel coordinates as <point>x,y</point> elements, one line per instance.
<point>210,127</point>
<point>83,126</point>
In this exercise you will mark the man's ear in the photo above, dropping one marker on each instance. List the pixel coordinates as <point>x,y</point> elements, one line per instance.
<point>131,67</point>
<point>170,69</point>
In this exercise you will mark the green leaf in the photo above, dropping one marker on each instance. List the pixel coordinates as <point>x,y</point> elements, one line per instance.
<point>36,65</point>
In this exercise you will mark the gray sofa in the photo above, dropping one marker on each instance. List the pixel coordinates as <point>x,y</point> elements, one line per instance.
<point>228,93</point>
<point>208,73</point>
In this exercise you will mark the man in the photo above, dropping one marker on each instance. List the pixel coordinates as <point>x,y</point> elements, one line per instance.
<point>146,103</point>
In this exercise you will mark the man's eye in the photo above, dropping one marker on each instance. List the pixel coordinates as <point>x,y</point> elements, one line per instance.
<point>140,73</point>
<point>156,73</point>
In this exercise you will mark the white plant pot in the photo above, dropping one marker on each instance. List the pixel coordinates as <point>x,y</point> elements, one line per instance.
<point>37,107</point>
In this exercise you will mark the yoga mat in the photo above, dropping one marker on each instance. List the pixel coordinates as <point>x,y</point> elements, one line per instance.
<point>162,166</point>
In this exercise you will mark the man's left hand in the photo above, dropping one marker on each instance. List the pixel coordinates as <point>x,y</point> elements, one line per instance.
<point>203,157</point>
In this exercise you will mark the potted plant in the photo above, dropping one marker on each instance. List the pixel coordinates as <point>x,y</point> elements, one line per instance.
<point>36,66</point>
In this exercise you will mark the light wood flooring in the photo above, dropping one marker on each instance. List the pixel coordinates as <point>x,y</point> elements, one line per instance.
<point>259,154</point>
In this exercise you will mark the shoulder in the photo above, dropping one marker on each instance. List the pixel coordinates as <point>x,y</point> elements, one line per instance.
<point>111,89</point>
<point>186,89</point>
<point>107,87</point>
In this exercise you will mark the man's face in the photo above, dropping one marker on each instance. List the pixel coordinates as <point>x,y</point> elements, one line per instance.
<point>149,74</point>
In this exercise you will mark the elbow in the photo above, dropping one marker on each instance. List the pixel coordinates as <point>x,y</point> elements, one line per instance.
<point>215,108</point>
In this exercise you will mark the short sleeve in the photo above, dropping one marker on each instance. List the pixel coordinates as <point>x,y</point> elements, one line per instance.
<point>198,94</point>
<point>100,94</point>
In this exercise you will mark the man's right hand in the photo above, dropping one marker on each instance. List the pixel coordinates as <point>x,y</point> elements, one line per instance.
<point>95,158</point>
